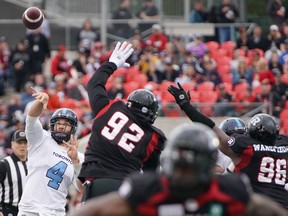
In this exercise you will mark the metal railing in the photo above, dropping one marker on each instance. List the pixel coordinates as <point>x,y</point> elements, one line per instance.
<point>218,109</point>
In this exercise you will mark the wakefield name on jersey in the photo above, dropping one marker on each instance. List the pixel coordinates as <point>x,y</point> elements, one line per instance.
<point>278,149</point>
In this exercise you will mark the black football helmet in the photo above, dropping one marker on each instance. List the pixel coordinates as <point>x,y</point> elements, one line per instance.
<point>263,128</point>
<point>145,101</point>
<point>193,147</point>
<point>233,125</point>
<point>63,113</point>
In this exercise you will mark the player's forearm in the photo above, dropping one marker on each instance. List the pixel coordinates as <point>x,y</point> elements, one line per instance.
<point>36,109</point>
<point>101,76</point>
<point>196,116</point>
<point>96,87</point>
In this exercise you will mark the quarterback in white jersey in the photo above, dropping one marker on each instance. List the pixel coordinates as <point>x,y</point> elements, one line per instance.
<point>53,160</point>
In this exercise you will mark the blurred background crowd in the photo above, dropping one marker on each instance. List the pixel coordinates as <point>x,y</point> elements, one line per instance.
<point>241,69</point>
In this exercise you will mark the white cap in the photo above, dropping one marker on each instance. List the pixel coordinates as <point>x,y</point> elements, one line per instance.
<point>156,27</point>
<point>274,28</point>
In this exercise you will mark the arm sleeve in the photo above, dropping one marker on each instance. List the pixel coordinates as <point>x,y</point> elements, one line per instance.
<point>153,162</point>
<point>77,168</point>
<point>196,116</point>
<point>34,132</point>
<point>2,173</point>
<point>238,143</point>
<point>97,93</point>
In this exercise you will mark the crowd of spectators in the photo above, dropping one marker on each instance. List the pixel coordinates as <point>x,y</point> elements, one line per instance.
<point>227,78</point>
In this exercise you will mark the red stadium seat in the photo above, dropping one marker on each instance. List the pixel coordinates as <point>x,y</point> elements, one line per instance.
<point>250,53</point>
<point>284,124</point>
<point>85,79</point>
<point>130,87</point>
<point>152,86</point>
<point>229,46</point>
<point>286,104</point>
<point>164,85</point>
<point>205,86</point>
<point>284,78</point>
<point>283,115</point>
<point>241,87</point>
<point>208,96</point>
<point>212,45</point>
<point>131,73</point>
<point>257,90</point>
<point>223,69</point>
<point>227,86</point>
<point>242,52</point>
<point>167,97</point>
<point>120,71</point>
<point>189,86</point>
<point>223,60</point>
<point>219,53</point>
<point>226,78</point>
<point>141,79</point>
<point>194,95</point>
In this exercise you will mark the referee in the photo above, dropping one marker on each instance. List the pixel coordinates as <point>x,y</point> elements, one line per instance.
<point>13,172</point>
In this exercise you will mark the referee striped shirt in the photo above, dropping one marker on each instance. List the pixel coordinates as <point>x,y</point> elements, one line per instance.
<point>13,173</point>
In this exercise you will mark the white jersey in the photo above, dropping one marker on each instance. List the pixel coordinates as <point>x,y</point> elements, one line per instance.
<point>223,160</point>
<point>50,172</point>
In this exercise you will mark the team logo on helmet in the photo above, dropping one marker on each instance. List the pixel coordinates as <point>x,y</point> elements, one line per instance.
<point>231,141</point>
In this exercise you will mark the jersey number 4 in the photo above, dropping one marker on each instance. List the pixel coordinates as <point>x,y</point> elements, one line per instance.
<point>114,127</point>
<point>56,173</point>
<point>272,169</point>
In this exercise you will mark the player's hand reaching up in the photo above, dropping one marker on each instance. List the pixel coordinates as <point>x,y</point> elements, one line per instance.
<point>121,53</point>
<point>42,97</point>
<point>179,94</point>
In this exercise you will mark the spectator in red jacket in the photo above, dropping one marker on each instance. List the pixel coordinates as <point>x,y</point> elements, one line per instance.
<point>59,63</point>
<point>157,39</point>
<point>263,73</point>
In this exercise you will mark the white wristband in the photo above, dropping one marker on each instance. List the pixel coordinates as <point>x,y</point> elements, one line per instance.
<point>77,168</point>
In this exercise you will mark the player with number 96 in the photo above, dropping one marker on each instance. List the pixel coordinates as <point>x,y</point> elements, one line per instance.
<point>254,154</point>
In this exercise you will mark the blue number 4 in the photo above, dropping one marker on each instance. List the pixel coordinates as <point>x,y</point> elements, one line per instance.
<point>55,173</point>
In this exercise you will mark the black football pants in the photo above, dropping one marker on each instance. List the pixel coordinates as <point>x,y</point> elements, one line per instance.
<point>9,210</point>
<point>100,186</point>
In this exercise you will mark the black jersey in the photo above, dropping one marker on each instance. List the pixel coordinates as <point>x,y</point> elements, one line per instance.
<point>149,194</point>
<point>120,142</point>
<point>264,165</point>
<point>282,140</point>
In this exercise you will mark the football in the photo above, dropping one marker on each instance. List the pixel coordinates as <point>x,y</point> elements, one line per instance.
<point>32,18</point>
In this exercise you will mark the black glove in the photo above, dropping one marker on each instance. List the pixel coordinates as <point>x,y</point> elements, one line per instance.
<point>179,94</point>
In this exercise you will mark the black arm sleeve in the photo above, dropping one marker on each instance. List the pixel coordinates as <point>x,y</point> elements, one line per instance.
<point>2,171</point>
<point>196,116</point>
<point>97,93</point>
<point>153,162</point>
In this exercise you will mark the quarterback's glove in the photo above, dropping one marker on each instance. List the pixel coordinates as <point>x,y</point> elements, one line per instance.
<point>179,94</point>
<point>120,54</point>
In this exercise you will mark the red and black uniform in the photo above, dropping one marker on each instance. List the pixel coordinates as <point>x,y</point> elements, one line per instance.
<point>264,165</point>
<point>150,195</point>
<point>122,141</point>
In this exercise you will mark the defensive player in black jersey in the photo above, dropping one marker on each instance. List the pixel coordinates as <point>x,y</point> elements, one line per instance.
<point>254,153</point>
<point>186,186</point>
<point>123,139</point>
<point>229,126</point>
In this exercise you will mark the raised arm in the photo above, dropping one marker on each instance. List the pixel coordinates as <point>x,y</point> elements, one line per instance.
<point>183,100</point>
<point>39,104</point>
<point>96,86</point>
